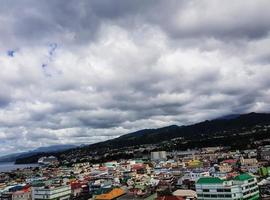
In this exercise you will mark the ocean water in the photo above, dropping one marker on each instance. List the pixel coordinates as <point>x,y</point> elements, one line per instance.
<point>9,166</point>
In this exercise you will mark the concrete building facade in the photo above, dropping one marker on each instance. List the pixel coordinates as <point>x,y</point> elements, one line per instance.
<point>241,187</point>
<point>51,193</point>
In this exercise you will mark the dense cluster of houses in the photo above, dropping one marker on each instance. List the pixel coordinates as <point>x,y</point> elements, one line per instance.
<point>205,174</point>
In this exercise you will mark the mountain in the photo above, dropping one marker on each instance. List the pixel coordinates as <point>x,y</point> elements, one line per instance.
<point>221,126</point>
<point>53,148</point>
<point>238,131</point>
<point>232,116</point>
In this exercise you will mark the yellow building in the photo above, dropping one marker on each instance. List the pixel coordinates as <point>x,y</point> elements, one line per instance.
<point>195,163</point>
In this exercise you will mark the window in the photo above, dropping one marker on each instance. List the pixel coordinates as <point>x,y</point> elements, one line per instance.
<point>220,190</point>
<point>250,180</point>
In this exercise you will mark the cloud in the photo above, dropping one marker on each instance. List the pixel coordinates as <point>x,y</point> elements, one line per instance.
<point>87,71</point>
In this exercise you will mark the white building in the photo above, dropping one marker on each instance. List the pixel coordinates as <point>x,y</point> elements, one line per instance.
<point>51,160</point>
<point>17,195</point>
<point>159,155</point>
<point>243,186</point>
<point>51,192</point>
<point>195,175</point>
<point>21,195</point>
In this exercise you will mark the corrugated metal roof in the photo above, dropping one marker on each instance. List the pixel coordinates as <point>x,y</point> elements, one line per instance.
<point>116,192</point>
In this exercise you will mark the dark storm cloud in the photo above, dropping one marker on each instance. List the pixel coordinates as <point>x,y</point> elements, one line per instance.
<point>79,21</point>
<point>86,71</point>
<point>4,100</point>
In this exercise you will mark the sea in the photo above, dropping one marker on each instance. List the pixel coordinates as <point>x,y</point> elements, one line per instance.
<point>9,166</point>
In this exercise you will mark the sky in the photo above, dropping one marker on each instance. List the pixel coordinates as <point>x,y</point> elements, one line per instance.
<point>84,71</point>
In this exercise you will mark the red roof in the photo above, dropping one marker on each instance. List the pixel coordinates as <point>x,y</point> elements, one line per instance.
<point>137,167</point>
<point>75,185</point>
<point>230,161</point>
<point>103,168</point>
<point>169,197</point>
<point>27,187</point>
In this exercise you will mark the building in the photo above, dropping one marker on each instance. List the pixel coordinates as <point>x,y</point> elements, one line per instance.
<point>186,194</point>
<point>113,194</point>
<point>265,153</point>
<point>169,197</point>
<point>241,187</point>
<point>248,161</point>
<point>225,167</point>
<point>194,163</point>
<point>159,155</point>
<point>24,194</point>
<point>249,165</point>
<point>6,196</point>
<point>51,192</point>
<point>51,160</point>
<point>195,175</point>
<point>264,171</point>
<point>264,187</point>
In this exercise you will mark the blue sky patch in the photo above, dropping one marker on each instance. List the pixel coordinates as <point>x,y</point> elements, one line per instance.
<point>11,53</point>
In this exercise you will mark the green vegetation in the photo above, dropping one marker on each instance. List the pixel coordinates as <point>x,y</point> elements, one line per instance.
<point>249,130</point>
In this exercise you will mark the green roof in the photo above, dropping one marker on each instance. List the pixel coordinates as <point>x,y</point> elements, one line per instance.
<point>216,180</point>
<point>243,177</point>
<point>209,180</point>
<point>139,161</point>
<point>142,187</point>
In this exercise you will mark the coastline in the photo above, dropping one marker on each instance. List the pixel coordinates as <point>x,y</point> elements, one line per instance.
<point>9,166</point>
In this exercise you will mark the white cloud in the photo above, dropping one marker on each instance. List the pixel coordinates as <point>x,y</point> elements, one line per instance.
<point>87,75</point>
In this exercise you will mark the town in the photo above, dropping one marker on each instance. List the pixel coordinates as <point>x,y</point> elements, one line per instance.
<point>203,174</point>
<point>134,100</point>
